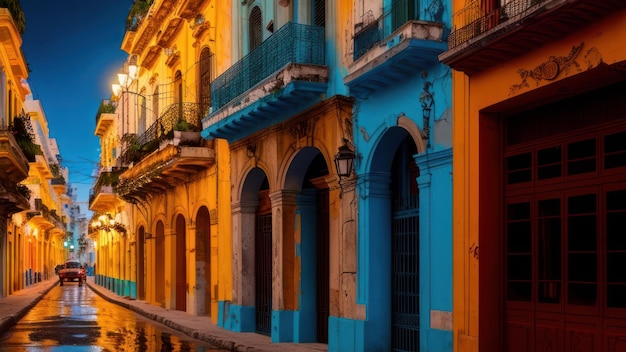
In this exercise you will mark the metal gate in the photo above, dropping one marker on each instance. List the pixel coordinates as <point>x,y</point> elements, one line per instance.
<point>263,273</point>
<point>405,314</point>
<point>323,267</point>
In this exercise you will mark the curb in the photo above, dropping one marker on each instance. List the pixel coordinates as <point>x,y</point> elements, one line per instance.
<point>9,321</point>
<point>195,334</point>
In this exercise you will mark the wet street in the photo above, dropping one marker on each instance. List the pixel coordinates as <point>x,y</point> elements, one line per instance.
<point>74,318</point>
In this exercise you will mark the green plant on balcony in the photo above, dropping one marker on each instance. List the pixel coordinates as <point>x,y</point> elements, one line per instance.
<point>133,151</point>
<point>137,13</point>
<point>21,128</point>
<point>56,173</point>
<point>183,126</point>
<point>109,178</point>
<point>16,12</point>
<point>106,107</point>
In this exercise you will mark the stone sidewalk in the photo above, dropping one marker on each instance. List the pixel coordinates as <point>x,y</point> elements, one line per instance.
<point>15,306</point>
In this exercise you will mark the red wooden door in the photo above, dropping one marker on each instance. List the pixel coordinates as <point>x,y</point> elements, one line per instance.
<point>565,248</point>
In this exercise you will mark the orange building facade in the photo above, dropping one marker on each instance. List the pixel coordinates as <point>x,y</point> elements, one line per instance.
<point>539,175</point>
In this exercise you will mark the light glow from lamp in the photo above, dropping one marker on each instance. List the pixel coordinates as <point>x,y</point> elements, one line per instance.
<point>117,89</point>
<point>133,72</point>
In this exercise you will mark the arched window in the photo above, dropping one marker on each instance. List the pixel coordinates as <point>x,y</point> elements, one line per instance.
<point>205,77</point>
<point>155,104</point>
<point>319,13</point>
<point>178,87</point>
<point>256,28</point>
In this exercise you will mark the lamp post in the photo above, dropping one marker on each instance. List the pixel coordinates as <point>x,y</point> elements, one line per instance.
<point>125,80</point>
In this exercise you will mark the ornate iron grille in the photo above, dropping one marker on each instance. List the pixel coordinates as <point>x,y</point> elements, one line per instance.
<point>405,314</point>
<point>292,43</point>
<point>189,114</point>
<point>323,266</point>
<point>255,28</point>
<point>374,32</point>
<point>474,20</point>
<point>263,274</point>
<point>319,16</point>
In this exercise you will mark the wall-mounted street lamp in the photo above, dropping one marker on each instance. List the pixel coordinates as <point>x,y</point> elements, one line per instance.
<point>125,79</point>
<point>344,160</point>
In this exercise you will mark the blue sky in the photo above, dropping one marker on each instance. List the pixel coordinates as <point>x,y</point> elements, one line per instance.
<point>73,51</point>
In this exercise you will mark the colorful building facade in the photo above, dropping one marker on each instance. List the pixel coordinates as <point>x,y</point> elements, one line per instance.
<point>539,170</point>
<point>160,183</point>
<point>33,195</point>
<point>403,138</point>
<point>258,224</point>
<point>284,112</point>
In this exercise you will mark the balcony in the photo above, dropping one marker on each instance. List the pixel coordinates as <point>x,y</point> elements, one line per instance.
<point>163,170</point>
<point>44,218</point>
<point>485,37</point>
<point>103,197</point>
<point>145,22</point>
<point>11,23</point>
<point>184,117</point>
<point>167,154</point>
<point>393,46</point>
<point>13,169</point>
<point>282,77</point>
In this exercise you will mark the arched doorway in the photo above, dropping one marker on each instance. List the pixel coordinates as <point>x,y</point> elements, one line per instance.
<point>141,278</point>
<point>203,262</point>
<point>394,240</point>
<point>307,174</point>
<point>159,264</point>
<point>405,249</point>
<point>263,263</point>
<point>181,263</point>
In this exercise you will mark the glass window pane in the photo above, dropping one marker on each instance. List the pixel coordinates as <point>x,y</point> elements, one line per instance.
<point>582,233</point>
<point>519,237</point>
<point>616,231</point>
<point>616,268</point>
<point>615,296</point>
<point>582,267</point>
<point>549,162</point>
<point>519,267</point>
<point>519,168</point>
<point>615,150</point>
<point>581,157</point>
<point>582,294</point>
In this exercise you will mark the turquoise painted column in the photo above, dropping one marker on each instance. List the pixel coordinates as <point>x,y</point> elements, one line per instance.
<point>305,318</point>
<point>435,192</point>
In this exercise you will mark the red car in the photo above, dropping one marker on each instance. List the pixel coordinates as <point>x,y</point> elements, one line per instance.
<point>72,271</point>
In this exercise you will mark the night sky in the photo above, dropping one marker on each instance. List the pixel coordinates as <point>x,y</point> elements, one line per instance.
<point>72,49</point>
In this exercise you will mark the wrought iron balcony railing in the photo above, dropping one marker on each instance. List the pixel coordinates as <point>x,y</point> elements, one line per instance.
<point>472,20</point>
<point>292,43</point>
<point>177,117</point>
<point>375,31</point>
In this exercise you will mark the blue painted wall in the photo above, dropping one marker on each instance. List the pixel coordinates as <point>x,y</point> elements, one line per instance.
<point>376,139</point>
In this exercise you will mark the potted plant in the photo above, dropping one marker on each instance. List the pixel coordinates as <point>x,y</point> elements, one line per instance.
<point>21,131</point>
<point>186,134</point>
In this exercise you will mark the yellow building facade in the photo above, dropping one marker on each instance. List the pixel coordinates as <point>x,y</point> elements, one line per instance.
<point>167,241</point>
<point>32,217</point>
<point>538,175</point>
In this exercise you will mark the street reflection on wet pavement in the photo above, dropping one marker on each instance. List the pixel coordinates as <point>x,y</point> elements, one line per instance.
<point>74,318</point>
